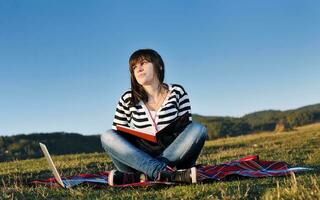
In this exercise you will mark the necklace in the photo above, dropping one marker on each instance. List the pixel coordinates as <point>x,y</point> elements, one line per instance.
<point>149,108</point>
<point>154,106</point>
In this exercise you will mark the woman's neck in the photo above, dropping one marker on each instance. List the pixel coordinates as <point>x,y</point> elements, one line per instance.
<point>153,91</point>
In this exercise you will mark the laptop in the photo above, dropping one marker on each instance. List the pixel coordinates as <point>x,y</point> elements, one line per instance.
<point>67,183</point>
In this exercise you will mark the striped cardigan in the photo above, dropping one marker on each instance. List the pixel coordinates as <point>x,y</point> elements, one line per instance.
<point>138,117</point>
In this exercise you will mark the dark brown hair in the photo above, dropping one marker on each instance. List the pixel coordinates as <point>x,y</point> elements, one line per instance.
<point>150,55</point>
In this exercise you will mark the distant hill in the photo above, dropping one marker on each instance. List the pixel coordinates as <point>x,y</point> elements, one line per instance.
<point>266,120</point>
<point>27,146</point>
<point>58,143</point>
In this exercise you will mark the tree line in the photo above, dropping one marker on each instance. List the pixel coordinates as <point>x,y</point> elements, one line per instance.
<point>58,143</point>
<point>259,121</point>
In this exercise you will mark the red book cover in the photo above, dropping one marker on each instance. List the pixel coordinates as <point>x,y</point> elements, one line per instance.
<point>179,122</point>
<point>141,134</point>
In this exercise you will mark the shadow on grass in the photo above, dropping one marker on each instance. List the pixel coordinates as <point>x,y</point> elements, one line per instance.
<point>223,147</point>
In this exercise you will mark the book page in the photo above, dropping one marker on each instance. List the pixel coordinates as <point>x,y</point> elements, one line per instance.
<point>128,129</point>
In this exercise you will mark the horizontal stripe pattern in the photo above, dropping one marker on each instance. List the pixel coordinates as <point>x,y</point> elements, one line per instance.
<point>136,116</point>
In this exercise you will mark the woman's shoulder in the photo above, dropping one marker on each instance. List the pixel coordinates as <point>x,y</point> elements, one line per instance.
<point>126,95</point>
<point>177,87</point>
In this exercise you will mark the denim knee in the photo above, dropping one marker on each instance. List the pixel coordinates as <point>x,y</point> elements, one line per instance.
<point>106,138</point>
<point>200,131</point>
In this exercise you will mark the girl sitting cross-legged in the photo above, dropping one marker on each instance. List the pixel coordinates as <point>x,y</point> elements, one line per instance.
<point>150,105</point>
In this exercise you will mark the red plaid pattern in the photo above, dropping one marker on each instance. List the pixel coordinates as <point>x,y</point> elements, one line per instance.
<point>249,166</point>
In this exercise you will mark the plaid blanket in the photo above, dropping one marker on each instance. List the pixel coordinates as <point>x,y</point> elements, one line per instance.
<point>249,166</point>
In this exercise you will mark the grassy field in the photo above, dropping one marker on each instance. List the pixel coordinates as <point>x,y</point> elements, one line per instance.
<point>298,148</point>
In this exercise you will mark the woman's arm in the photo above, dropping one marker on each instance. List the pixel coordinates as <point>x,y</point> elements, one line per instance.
<point>122,114</point>
<point>184,103</point>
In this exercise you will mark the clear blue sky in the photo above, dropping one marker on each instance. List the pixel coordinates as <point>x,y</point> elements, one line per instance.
<point>64,64</point>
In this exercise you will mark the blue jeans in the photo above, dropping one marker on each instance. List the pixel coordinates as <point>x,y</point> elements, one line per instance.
<point>181,153</point>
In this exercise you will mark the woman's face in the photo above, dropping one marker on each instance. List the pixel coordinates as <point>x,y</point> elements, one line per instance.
<point>144,73</point>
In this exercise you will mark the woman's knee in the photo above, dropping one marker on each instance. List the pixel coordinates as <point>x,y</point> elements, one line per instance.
<point>199,130</point>
<point>107,137</point>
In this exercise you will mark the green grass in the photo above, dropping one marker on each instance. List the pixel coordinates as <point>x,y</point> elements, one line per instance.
<point>298,148</point>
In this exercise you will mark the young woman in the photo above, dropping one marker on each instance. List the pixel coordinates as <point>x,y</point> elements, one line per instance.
<point>151,105</point>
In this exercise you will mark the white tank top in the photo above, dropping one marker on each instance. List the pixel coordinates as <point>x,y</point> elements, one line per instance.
<point>153,114</point>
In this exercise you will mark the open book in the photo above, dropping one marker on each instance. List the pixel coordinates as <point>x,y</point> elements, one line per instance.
<point>177,125</point>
